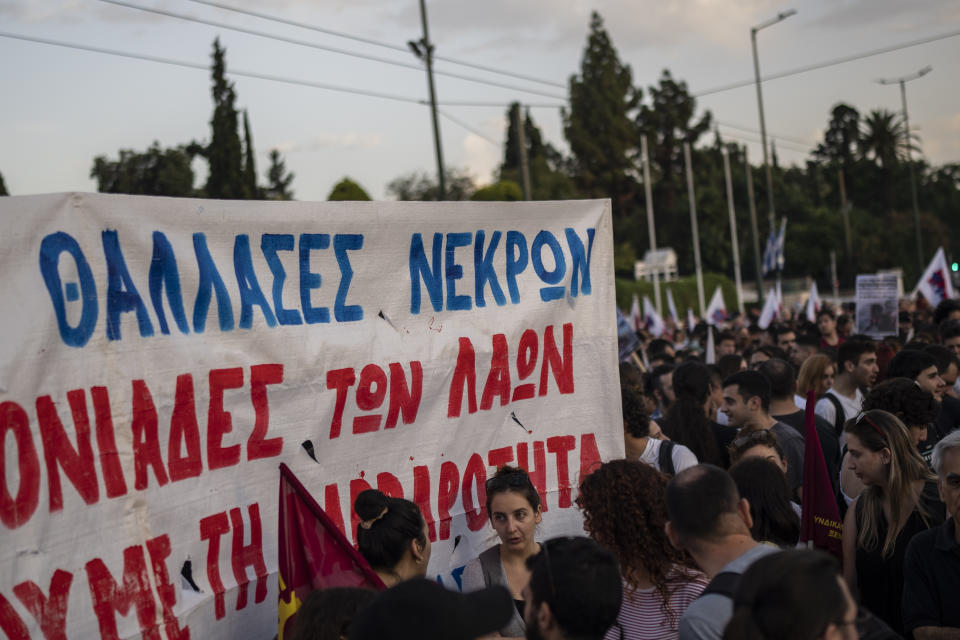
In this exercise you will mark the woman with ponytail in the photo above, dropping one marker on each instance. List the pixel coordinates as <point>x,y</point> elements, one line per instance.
<point>392,537</point>
<point>687,421</point>
<point>899,500</point>
<point>792,595</point>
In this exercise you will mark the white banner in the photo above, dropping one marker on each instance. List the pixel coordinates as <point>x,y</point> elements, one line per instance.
<point>161,357</point>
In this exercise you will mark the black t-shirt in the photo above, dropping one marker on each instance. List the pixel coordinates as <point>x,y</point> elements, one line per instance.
<point>932,579</point>
<point>829,441</point>
<point>724,435</point>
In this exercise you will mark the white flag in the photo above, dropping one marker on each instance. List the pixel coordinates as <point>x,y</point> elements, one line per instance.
<point>691,321</point>
<point>635,320</point>
<point>769,309</point>
<point>711,350</point>
<point>651,319</point>
<point>813,303</point>
<point>935,284</point>
<point>672,308</point>
<point>716,310</point>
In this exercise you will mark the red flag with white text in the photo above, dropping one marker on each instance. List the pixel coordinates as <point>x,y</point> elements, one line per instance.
<point>820,522</point>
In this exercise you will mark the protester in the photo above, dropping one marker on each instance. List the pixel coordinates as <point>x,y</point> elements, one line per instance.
<point>708,519</point>
<point>763,485</point>
<point>422,608</point>
<point>785,338</point>
<point>730,365</point>
<point>827,324</point>
<point>326,614</point>
<point>816,373</point>
<point>763,353</point>
<point>574,591</point>
<point>758,444</point>
<point>392,536</point>
<point>624,510</point>
<point>949,331</point>
<point>808,345</point>
<point>513,506</point>
<point>792,595</point>
<point>687,421</point>
<point>919,366</point>
<point>932,563</point>
<point>660,388</point>
<point>948,366</point>
<point>856,371</point>
<point>899,489</point>
<point>644,441</point>
<point>784,409</point>
<point>746,401</point>
<point>726,344</point>
<point>948,309</point>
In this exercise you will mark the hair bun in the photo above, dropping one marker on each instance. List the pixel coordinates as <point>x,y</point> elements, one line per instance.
<point>370,504</point>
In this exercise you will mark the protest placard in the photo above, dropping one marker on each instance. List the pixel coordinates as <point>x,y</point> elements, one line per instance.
<point>162,357</point>
<point>876,297</point>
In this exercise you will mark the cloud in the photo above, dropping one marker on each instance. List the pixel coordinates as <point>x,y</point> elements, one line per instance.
<point>895,14</point>
<point>331,141</point>
<point>481,157</point>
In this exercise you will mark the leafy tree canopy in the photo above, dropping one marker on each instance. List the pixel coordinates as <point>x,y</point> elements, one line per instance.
<point>154,172</point>
<point>507,190</point>
<point>278,179</point>
<point>347,189</point>
<point>422,186</point>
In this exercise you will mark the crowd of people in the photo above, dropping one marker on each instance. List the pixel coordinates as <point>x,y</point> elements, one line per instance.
<point>695,533</point>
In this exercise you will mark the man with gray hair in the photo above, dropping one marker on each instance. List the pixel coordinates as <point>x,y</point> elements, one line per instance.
<point>932,564</point>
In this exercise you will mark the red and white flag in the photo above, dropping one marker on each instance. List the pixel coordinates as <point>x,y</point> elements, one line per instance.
<point>717,309</point>
<point>935,284</point>
<point>652,321</point>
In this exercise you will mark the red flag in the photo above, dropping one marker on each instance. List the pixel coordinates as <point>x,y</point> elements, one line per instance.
<point>313,553</point>
<point>820,523</point>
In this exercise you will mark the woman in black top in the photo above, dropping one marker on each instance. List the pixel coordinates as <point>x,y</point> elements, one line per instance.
<point>899,489</point>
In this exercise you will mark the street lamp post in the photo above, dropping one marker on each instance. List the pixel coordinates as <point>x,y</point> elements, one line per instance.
<point>763,126</point>
<point>906,123</point>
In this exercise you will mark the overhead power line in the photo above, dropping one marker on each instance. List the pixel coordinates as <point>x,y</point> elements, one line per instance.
<point>774,135</point>
<point>206,67</point>
<point>313,45</point>
<point>469,128</point>
<point>777,142</point>
<point>827,63</point>
<point>377,43</point>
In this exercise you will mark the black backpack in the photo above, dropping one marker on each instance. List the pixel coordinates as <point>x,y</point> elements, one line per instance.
<point>839,416</point>
<point>665,457</point>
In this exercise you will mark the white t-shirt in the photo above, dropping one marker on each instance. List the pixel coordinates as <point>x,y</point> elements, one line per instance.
<point>682,456</point>
<point>851,408</point>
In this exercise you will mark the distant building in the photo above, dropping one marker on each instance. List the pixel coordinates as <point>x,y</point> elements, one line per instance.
<point>662,262</point>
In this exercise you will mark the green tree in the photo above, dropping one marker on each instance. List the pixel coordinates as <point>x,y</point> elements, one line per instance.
<point>225,152</point>
<point>421,186</point>
<point>841,142</point>
<point>505,190</point>
<point>154,172</point>
<point>278,179</point>
<point>548,178</point>
<point>882,138</point>
<point>3,187</point>
<point>347,189</point>
<point>249,164</point>
<point>599,124</point>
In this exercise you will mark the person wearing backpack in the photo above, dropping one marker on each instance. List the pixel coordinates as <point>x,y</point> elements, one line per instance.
<point>709,520</point>
<point>644,441</point>
<point>857,370</point>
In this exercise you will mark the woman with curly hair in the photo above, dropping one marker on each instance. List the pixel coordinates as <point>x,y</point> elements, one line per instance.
<point>624,508</point>
<point>817,373</point>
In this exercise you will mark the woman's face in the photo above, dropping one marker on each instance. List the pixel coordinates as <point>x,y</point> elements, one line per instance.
<point>827,381</point>
<point>425,553</point>
<point>870,467</point>
<point>769,453</point>
<point>514,520</point>
<point>918,433</point>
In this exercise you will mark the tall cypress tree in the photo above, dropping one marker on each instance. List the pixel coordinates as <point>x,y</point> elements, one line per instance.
<point>225,152</point>
<point>249,166</point>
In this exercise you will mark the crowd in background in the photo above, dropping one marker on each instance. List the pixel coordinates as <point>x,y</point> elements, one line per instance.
<point>694,534</point>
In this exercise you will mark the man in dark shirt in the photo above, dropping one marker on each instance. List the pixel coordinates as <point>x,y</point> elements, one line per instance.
<point>783,384</point>
<point>932,564</point>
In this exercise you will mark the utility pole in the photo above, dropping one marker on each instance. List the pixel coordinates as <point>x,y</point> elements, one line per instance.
<point>696,230</point>
<point>423,49</point>
<point>733,228</point>
<point>845,212</point>
<point>913,181</point>
<point>518,123</point>
<point>753,227</point>
<point>763,126</point>
<point>651,229</point>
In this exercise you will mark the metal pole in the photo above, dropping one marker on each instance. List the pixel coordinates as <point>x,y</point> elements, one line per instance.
<point>651,230</point>
<point>833,272</point>
<point>733,229</point>
<point>753,226</point>
<point>522,147</point>
<point>913,181</point>
<point>763,127</point>
<point>696,231</point>
<point>428,58</point>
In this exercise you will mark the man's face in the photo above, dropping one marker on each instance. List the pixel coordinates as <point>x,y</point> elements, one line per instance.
<point>757,359</point>
<point>953,344</point>
<point>950,377</point>
<point>949,483</point>
<point>726,348</point>
<point>787,341</point>
<point>866,371</point>
<point>800,354</point>
<point>827,325</point>
<point>737,410</point>
<point>930,380</point>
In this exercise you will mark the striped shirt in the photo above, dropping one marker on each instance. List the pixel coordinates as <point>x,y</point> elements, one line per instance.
<point>642,617</point>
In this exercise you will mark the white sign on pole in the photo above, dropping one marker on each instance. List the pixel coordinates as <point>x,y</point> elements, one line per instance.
<point>877,310</point>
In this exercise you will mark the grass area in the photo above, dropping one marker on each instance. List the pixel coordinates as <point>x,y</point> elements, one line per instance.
<point>684,292</point>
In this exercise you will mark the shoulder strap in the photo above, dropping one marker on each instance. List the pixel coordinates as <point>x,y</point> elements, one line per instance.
<point>665,457</point>
<point>724,584</point>
<point>839,416</point>
<point>490,566</point>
